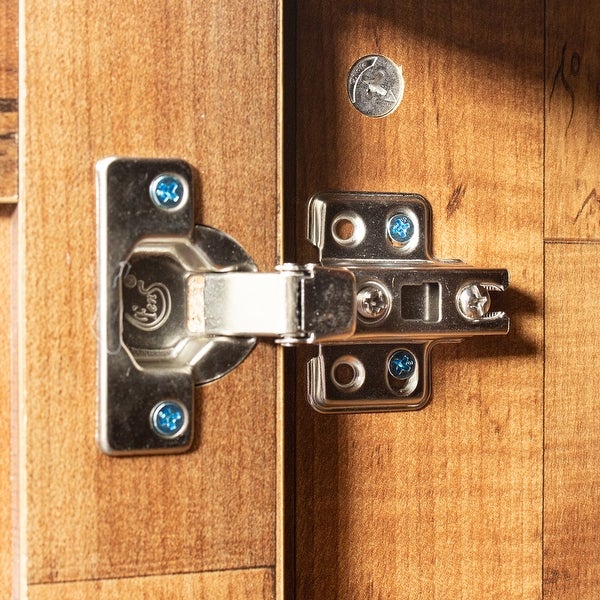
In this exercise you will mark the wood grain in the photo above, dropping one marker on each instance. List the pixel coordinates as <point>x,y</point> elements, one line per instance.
<point>446,502</point>
<point>8,192</point>
<point>572,423</point>
<point>6,498</point>
<point>255,584</point>
<point>572,120</point>
<point>571,466</point>
<point>8,100</point>
<point>190,80</point>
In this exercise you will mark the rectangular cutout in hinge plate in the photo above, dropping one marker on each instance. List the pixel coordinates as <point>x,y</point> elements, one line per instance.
<point>182,304</point>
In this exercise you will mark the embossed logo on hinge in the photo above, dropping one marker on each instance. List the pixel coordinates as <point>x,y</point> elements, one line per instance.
<point>152,307</point>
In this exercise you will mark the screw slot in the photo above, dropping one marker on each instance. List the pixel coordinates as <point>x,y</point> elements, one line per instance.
<point>169,191</point>
<point>169,419</point>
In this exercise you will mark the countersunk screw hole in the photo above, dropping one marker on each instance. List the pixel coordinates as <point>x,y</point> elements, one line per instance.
<point>344,229</point>
<point>348,373</point>
<point>344,374</point>
<point>348,229</point>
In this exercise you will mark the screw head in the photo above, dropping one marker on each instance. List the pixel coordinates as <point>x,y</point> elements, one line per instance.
<point>402,364</point>
<point>372,301</point>
<point>168,191</point>
<point>473,301</point>
<point>375,85</point>
<point>169,418</point>
<point>401,229</point>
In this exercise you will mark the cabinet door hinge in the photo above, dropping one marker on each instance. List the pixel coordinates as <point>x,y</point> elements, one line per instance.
<point>181,305</point>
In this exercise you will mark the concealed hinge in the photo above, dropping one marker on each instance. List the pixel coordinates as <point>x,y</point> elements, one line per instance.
<point>182,304</point>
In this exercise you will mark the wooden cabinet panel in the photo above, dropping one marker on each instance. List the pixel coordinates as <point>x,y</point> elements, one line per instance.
<point>8,100</point>
<point>491,491</point>
<point>255,584</point>
<point>572,120</point>
<point>6,498</point>
<point>572,423</point>
<point>8,193</point>
<point>191,80</point>
<point>572,159</point>
<point>446,502</point>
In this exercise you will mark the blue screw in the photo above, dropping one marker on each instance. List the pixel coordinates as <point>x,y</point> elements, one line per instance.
<point>400,228</point>
<point>402,364</point>
<point>167,191</point>
<point>168,419</point>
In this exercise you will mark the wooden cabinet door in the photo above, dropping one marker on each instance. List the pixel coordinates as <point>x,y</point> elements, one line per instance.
<point>193,80</point>
<point>492,490</point>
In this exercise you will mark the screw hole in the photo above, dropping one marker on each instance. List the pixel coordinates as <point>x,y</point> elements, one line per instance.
<point>348,229</point>
<point>344,229</point>
<point>344,374</point>
<point>348,373</point>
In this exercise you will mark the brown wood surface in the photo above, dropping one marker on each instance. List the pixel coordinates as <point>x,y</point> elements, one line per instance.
<point>446,502</point>
<point>8,192</point>
<point>191,80</point>
<point>245,584</point>
<point>573,120</point>
<point>572,180</point>
<point>572,423</point>
<point>6,501</point>
<point>8,100</point>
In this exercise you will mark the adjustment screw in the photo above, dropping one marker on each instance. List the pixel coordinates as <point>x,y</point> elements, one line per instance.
<point>169,419</point>
<point>402,364</point>
<point>400,229</point>
<point>473,301</point>
<point>372,301</point>
<point>168,191</point>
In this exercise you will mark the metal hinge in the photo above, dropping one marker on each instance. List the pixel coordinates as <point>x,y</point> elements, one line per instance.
<point>182,305</point>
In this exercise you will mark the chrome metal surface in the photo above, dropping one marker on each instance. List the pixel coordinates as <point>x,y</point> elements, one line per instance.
<point>146,353</point>
<point>181,305</point>
<point>375,85</point>
<point>430,301</point>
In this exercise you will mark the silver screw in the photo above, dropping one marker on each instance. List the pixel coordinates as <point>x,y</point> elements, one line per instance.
<point>375,85</point>
<point>372,301</point>
<point>473,301</point>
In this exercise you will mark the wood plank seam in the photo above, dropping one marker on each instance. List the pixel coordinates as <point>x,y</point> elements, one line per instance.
<point>243,569</point>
